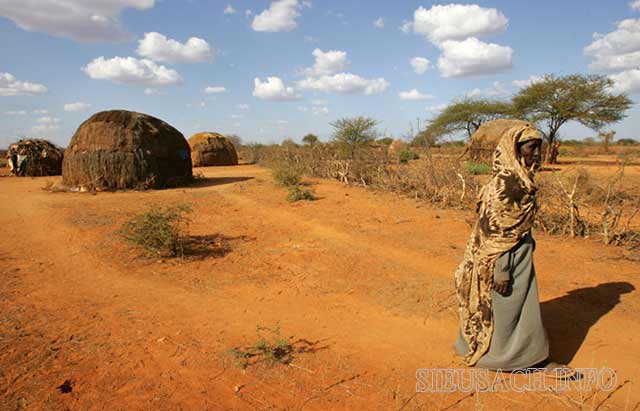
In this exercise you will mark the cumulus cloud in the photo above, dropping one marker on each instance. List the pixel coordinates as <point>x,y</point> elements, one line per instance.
<point>635,4</point>
<point>524,83</point>
<point>414,95</point>
<point>80,20</point>
<point>280,16</point>
<point>10,86</point>
<point>273,89</point>
<point>75,107</point>
<point>160,48</point>
<point>617,50</point>
<point>497,90</point>
<point>406,26</point>
<point>457,22</point>
<point>378,23</point>
<point>473,57</point>
<point>344,83</point>
<point>46,124</point>
<point>329,62</point>
<point>215,90</point>
<point>129,70</point>
<point>229,9</point>
<point>420,64</point>
<point>626,82</point>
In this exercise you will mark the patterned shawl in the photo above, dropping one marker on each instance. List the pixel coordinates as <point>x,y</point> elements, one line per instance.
<point>506,209</point>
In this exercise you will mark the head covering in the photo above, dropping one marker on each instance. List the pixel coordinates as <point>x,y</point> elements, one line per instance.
<point>529,133</point>
<point>506,209</point>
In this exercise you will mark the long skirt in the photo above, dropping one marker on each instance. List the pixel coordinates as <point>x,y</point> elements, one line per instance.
<point>519,339</point>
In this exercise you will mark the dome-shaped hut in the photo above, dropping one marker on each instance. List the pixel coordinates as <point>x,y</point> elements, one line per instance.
<point>485,140</point>
<point>121,149</point>
<point>33,158</point>
<point>212,149</point>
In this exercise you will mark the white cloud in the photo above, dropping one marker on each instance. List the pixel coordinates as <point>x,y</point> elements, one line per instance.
<point>414,95</point>
<point>319,102</point>
<point>329,62</point>
<point>15,112</point>
<point>75,107</point>
<point>41,111</point>
<point>457,22</point>
<point>243,107</point>
<point>282,122</point>
<point>524,83</point>
<point>378,23</point>
<point>160,48</point>
<point>129,70</point>
<point>273,89</point>
<point>236,116</point>
<point>307,3</point>
<point>151,91</point>
<point>497,90</point>
<point>280,16</point>
<point>438,107</point>
<point>320,110</point>
<point>345,83</point>
<point>248,12</point>
<point>80,20</point>
<point>229,9</point>
<point>635,4</point>
<point>10,86</point>
<point>215,90</point>
<point>473,57</point>
<point>406,26</point>
<point>617,50</point>
<point>46,124</point>
<point>420,64</point>
<point>626,82</point>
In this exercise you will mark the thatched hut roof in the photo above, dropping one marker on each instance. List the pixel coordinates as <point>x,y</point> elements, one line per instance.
<point>34,157</point>
<point>485,140</point>
<point>396,147</point>
<point>121,149</point>
<point>212,149</point>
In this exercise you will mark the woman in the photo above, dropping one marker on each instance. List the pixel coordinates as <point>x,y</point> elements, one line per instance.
<point>500,322</point>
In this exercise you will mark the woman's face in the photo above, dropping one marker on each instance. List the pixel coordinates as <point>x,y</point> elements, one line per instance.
<point>531,153</point>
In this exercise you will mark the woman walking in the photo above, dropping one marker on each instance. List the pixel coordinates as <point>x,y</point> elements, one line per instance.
<point>498,307</point>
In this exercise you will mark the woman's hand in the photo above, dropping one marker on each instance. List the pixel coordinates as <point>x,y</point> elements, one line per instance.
<point>501,287</point>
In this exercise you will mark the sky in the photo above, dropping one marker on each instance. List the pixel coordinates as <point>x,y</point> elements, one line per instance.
<point>269,70</point>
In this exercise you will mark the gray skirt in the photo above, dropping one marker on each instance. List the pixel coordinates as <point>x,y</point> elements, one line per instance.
<point>519,339</point>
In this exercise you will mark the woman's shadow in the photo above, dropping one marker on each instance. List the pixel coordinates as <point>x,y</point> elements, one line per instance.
<point>568,318</point>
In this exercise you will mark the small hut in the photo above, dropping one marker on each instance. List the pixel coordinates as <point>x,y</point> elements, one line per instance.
<point>212,149</point>
<point>121,149</point>
<point>485,140</point>
<point>33,158</point>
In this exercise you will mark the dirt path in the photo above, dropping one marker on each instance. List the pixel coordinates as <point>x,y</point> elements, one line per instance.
<point>361,280</point>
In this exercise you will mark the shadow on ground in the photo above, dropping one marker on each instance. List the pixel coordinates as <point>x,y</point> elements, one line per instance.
<point>569,318</point>
<point>217,181</point>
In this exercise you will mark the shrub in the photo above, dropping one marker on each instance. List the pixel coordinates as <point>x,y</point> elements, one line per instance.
<point>297,193</point>
<point>407,155</point>
<point>286,173</point>
<point>160,230</point>
<point>477,168</point>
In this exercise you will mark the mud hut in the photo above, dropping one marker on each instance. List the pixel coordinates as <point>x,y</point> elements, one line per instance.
<point>485,140</point>
<point>121,149</point>
<point>212,149</point>
<point>33,158</point>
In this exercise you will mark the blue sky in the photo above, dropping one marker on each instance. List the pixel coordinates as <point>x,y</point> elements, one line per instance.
<point>326,60</point>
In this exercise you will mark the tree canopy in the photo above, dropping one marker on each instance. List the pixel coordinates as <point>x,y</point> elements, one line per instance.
<point>354,133</point>
<point>587,99</point>
<point>310,139</point>
<point>465,115</point>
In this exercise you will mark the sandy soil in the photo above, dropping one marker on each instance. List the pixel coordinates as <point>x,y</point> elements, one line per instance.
<point>360,281</point>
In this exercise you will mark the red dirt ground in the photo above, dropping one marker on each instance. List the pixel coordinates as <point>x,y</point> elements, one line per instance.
<point>364,277</point>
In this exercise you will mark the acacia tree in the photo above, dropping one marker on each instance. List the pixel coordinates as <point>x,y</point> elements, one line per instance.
<point>354,133</point>
<point>310,139</point>
<point>465,115</point>
<point>553,101</point>
<point>607,138</point>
